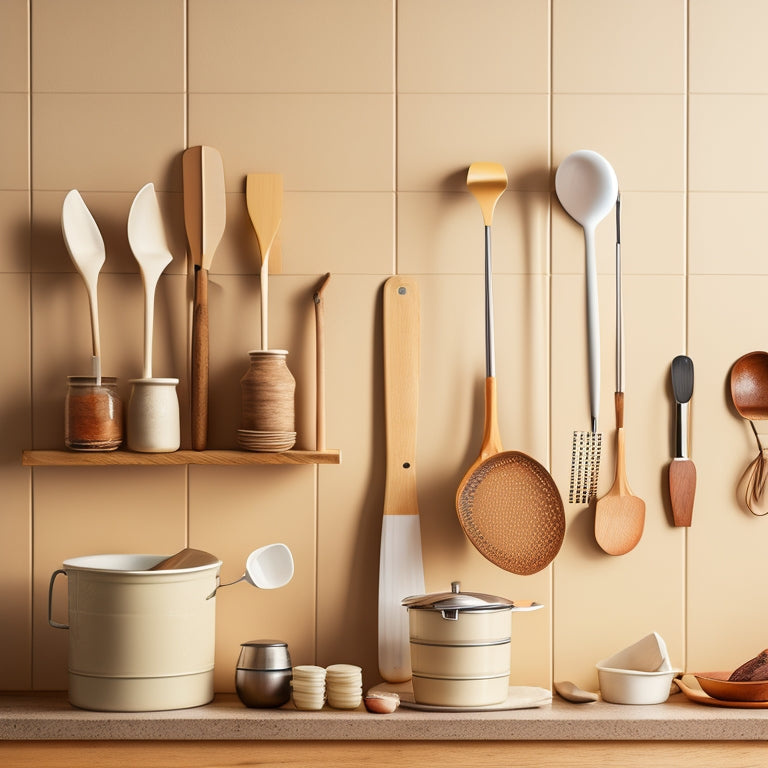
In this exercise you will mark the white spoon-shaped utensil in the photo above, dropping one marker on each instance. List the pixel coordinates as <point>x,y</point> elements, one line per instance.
<point>587,188</point>
<point>86,248</point>
<point>146,235</point>
<point>268,567</point>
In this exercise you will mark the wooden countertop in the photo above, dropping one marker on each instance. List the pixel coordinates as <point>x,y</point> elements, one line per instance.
<point>50,717</point>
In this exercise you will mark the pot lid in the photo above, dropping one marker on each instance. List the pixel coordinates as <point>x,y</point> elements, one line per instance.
<point>456,600</point>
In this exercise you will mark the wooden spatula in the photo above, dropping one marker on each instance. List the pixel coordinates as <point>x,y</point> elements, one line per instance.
<point>264,198</point>
<point>401,572</point>
<point>205,217</point>
<point>619,515</point>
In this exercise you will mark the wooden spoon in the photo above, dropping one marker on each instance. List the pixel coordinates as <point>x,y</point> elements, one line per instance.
<point>571,692</point>
<point>186,558</point>
<point>619,515</point>
<point>749,392</point>
<point>264,198</point>
<point>749,385</point>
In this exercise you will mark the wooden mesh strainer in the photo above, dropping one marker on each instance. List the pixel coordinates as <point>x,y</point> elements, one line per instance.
<point>507,503</point>
<point>510,511</point>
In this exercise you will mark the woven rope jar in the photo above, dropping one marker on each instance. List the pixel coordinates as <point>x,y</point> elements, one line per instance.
<point>268,390</point>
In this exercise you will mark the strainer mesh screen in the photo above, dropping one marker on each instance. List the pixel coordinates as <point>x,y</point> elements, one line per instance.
<point>512,512</point>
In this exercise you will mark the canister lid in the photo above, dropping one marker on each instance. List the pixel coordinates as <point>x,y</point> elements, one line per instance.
<point>264,654</point>
<point>456,600</point>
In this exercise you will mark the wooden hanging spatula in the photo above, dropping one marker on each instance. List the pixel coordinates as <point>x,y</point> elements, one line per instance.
<point>401,572</point>
<point>205,216</point>
<point>619,515</point>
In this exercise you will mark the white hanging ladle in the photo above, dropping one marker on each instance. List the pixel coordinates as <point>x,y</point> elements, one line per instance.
<point>268,567</point>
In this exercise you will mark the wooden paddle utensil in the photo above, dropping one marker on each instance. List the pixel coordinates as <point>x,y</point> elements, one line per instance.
<point>205,217</point>
<point>264,198</point>
<point>401,572</point>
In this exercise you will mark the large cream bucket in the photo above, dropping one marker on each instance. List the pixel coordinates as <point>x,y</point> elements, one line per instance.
<point>139,640</point>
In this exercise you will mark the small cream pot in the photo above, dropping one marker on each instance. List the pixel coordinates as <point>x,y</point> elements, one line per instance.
<point>153,416</point>
<point>460,647</point>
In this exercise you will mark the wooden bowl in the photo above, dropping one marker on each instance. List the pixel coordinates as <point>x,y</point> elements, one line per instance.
<point>717,685</point>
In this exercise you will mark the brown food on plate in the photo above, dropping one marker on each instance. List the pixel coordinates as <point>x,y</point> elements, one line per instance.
<point>754,669</point>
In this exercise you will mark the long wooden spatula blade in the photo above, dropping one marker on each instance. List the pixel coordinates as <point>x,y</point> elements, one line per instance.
<point>264,199</point>
<point>205,211</point>
<point>401,572</point>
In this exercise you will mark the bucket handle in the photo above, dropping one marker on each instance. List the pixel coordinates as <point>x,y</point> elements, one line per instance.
<point>54,624</point>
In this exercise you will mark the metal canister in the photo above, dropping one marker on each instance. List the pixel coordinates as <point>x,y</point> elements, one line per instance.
<point>263,674</point>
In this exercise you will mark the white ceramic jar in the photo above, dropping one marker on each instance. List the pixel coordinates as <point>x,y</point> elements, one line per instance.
<point>152,423</point>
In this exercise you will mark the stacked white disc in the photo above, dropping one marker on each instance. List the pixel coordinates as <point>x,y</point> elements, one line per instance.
<point>344,686</point>
<point>308,687</point>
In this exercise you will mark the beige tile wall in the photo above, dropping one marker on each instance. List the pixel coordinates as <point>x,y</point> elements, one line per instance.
<point>372,111</point>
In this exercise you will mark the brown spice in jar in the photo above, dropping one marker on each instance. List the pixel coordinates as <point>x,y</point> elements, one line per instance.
<point>94,420</point>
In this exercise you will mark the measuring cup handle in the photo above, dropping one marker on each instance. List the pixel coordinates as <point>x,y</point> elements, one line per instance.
<point>54,624</point>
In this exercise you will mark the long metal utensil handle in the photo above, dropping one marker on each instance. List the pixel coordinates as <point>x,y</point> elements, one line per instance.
<point>593,326</point>
<point>619,304</point>
<point>401,572</point>
<point>490,355</point>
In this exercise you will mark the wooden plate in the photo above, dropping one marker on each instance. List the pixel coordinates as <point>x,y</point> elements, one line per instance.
<point>717,685</point>
<point>692,690</point>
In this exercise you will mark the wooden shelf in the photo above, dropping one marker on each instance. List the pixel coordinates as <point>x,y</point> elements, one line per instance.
<point>211,458</point>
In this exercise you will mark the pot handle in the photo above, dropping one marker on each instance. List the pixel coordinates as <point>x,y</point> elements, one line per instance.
<point>54,624</point>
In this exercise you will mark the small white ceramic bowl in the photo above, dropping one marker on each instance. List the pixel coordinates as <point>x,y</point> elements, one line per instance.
<point>631,686</point>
